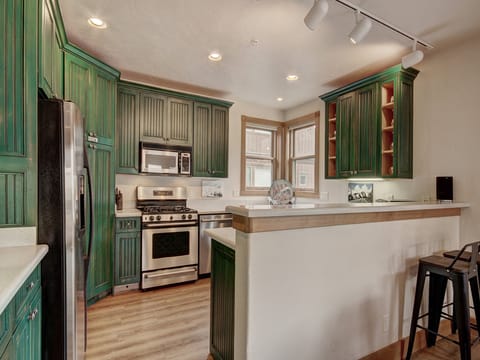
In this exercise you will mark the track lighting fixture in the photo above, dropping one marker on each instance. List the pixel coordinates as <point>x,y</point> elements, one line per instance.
<point>361,28</point>
<point>316,14</point>
<point>413,58</point>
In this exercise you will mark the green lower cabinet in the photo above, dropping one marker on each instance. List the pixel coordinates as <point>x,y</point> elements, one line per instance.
<point>222,302</point>
<point>100,274</point>
<point>127,251</point>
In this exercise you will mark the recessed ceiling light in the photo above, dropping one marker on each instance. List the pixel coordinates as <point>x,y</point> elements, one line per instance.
<point>215,56</point>
<point>292,77</point>
<point>97,23</point>
<point>279,99</point>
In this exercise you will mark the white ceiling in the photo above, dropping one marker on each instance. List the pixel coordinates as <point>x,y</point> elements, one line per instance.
<point>166,42</point>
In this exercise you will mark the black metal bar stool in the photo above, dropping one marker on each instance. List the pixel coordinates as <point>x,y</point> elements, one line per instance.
<point>441,269</point>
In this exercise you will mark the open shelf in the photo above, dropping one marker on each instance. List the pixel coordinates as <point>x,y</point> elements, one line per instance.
<point>388,128</point>
<point>332,139</point>
<point>334,119</point>
<point>388,105</point>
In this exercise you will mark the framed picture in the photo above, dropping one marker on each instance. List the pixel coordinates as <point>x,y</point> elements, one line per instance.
<point>360,192</point>
<point>212,188</point>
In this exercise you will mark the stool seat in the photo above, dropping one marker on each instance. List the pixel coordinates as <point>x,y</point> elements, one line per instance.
<point>462,271</point>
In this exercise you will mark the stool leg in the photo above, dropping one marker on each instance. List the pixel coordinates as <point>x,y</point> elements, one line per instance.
<point>436,295</point>
<point>462,313</point>
<point>416,309</point>
<point>474,287</point>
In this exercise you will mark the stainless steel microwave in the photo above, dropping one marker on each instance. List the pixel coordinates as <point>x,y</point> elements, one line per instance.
<point>165,159</point>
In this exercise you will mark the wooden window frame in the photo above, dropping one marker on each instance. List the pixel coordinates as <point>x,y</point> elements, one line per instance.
<point>278,153</point>
<point>290,126</point>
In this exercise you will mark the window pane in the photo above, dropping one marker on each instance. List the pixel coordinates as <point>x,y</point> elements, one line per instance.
<point>258,173</point>
<point>304,174</point>
<point>304,140</point>
<point>258,142</point>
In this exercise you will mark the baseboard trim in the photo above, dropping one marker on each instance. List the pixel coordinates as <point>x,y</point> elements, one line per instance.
<point>398,350</point>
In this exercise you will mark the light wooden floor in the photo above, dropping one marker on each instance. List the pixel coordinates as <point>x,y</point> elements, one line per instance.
<point>169,323</point>
<point>173,324</point>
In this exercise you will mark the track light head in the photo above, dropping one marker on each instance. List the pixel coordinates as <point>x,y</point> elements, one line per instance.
<point>413,58</point>
<point>361,29</point>
<point>316,14</point>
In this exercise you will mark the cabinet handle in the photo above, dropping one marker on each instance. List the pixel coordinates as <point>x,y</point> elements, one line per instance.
<point>355,172</point>
<point>33,314</point>
<point>167,139</point>
<point>213,172</point>
<point>30,286</point>
<point>90,133</point>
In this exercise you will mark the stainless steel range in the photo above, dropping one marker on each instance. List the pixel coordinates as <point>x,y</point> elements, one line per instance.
<point>169,236</point>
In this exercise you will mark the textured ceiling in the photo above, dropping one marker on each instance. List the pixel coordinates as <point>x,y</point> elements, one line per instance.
<point>166,42</point>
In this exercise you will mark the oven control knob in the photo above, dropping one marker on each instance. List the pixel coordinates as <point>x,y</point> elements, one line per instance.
<point>159,218</point>
<point>189,216</point>
<point>184,217</point>
<point>171,217</point>
<point>151,218</point>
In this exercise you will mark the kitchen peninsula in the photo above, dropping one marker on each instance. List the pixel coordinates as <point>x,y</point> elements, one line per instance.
<point>330,281</point>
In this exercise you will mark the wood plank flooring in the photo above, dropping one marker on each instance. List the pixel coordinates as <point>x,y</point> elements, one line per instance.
<point>172,323</point>
<point>169,323</point>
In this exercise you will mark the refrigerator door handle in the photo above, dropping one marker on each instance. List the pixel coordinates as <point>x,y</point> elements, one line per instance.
<point>91,211</point>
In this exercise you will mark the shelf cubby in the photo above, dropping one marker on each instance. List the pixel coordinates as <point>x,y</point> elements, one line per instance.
<point>332,139</point>
<point>388,128</point>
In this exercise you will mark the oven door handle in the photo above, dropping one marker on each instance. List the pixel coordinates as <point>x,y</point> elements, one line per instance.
<point>173,272</point>
<point>171,224</point>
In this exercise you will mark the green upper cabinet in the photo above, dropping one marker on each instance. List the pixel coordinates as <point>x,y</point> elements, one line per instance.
<point>92,85</point>
<point>127,130</point>
<point>18,112</point>
<point>50,65</point>
<point>369,126</point>
<point>165,120</point>
<point>210,145</point>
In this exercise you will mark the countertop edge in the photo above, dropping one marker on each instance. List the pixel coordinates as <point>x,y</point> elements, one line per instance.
<point>332,209</point>
<point>8,292</point>
<point>225,236</point>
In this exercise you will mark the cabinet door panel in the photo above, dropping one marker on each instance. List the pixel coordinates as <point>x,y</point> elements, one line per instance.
<point>180,122</point>
<point>153,114</point>
<point>100,272</point>
<point>219,142</point>
<point>101,123</point>
<point>345,119</point>
<point>366,128</point>
<point>77,85</point>
<point>127,258</point>
<point>404,128</point>
<point>203,113</point>
<point>127,128</point>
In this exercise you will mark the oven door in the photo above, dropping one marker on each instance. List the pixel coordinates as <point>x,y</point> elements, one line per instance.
<point>169,247</point>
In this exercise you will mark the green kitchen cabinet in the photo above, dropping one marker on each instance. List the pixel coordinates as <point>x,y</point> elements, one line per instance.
<point>222,302</point>
<point>368,126</point>
<point>165,120</point>
<point>127,130</point>
<point>210,145</point>
<point>21,322</point>
<point>18,112</point>
<point>127,252</point>
<point>100,273</point>
<point>50,80</point>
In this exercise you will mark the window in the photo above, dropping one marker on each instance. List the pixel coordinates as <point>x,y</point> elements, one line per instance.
<point>261,145</point>
<point>303,154</point>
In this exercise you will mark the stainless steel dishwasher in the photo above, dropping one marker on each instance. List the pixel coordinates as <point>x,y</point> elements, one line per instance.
<point>209,221</point>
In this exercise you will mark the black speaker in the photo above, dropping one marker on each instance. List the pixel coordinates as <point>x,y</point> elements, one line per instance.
<point>445,188</point>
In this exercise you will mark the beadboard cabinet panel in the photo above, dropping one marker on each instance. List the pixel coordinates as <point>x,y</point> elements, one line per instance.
<point>127,131</point>
<point>101,123</point>
<point>179,127</point>
<point>366,126</point>
<point>153,117</point>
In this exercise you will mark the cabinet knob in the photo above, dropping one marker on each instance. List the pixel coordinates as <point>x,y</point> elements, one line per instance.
<point>33,314</point>
<point>355,172</point>
<point>213,171</point>
<point>30,286</point>
<point>95,134</point>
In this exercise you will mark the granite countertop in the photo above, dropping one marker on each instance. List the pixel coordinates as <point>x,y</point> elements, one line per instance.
<point>16,264</point>
<point>336,208</point>
<point>226,236</point>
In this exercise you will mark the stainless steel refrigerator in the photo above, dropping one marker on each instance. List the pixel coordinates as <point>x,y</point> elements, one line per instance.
<point>62,210</point>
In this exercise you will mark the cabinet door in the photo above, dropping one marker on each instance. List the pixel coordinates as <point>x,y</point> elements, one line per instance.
<point>35,327</point>
<point>127,258</point>
<point>77,85</point>
<point>365,132</point>
<point>18,112</point>
<point>345,122</point>
<point>127,129</point>
<point>179,124</point>
<point>403,133</point>
<point>101,123</point>
<point>51,57</point>
<point>99,281</point>
<point>201,148</point>
<point>219,142</point>
<point>153,115</point>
